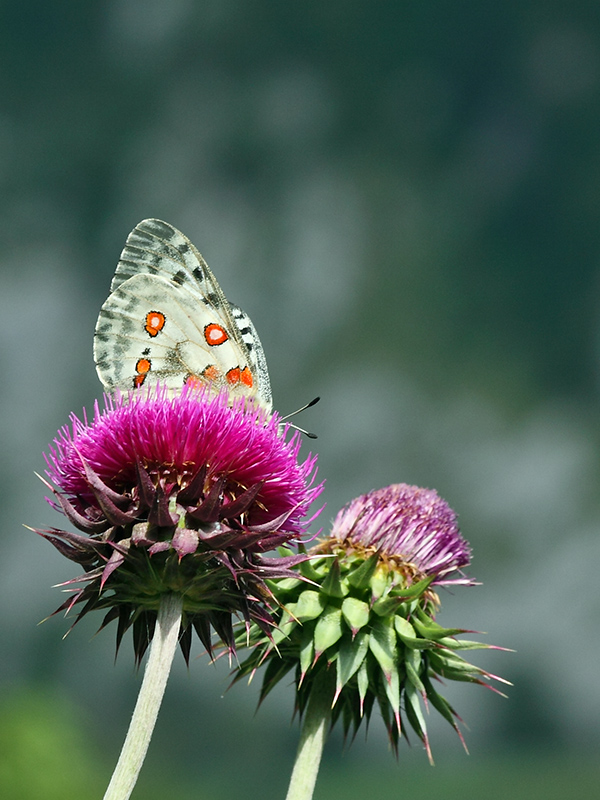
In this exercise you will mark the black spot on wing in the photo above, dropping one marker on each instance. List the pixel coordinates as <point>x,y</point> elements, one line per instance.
<point>179,278</point>
<point>173,359</point>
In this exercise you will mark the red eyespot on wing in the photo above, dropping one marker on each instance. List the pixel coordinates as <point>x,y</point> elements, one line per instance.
<point>142,368</point>
<point>215,334</point>
<point>194,382</point>
<point>211,373</point>
<point>246,377</point>
<point>155,322</point>
<point>233,376</point>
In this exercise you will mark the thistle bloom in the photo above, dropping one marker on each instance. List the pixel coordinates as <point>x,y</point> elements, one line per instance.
<point>178,494</point>
<point>411,526</point>
<point>366,632</point>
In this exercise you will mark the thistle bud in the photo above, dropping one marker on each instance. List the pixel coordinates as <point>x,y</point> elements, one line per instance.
<point>361,612</point>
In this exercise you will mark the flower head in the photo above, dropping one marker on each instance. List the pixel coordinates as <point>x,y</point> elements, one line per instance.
<point>367,625</point>
<point>410,527</point>
<point>178,494</point>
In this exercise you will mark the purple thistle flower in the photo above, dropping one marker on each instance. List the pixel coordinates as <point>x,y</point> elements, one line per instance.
<point>181,494</point>
<point>410,525</point>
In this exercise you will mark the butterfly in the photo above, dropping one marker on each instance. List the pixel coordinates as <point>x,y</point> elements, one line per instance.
<point>166,320</point>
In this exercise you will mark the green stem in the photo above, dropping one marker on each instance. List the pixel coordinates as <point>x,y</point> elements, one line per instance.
<point>312,740</point>
<point>162,650</point>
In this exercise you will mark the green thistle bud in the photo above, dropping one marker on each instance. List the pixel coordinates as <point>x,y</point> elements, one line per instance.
<point>360,617</point>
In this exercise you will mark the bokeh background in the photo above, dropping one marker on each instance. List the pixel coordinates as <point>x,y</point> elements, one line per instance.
<point>406,199</point>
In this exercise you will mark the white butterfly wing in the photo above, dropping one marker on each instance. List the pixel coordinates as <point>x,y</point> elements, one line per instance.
<point>156,248</point>
<point>167,320</point>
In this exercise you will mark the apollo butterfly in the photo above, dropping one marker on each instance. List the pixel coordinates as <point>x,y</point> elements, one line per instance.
<point>167,321</point>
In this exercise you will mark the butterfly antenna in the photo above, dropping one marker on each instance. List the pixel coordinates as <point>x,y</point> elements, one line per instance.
<point>293,414</point>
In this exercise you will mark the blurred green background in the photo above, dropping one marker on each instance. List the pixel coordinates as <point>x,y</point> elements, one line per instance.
<point>406,199</point>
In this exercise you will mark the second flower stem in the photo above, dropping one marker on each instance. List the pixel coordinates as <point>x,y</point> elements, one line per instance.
<point>162,650</point>
<point>312,739</point>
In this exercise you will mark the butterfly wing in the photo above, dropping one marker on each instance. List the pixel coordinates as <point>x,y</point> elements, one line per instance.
<point>168,320</point>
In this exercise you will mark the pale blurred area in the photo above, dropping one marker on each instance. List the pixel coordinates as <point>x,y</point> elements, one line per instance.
<point>406,200</point>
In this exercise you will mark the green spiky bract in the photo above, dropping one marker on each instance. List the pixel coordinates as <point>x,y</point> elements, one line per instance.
<point>369,621</point>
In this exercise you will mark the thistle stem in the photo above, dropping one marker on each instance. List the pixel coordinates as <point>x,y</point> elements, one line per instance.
<point>162,650</point>
<point>312,740</point>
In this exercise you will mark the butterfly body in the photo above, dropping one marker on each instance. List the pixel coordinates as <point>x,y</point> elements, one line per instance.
<point>167,321</point>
